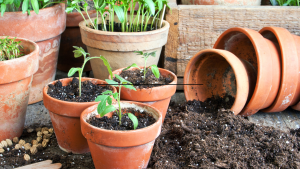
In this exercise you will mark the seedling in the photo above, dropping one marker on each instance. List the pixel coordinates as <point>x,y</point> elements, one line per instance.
<point>153,68</point>
<point>104,98</point>
<point>285,2</point>
<point>9,49</point>
<point>78,53</point>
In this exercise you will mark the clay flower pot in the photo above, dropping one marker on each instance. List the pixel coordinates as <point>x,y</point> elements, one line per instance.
<point>15,82</point>
<point>71,37</point>
<point>220,72</point>
<point>44,29</point>
<point>289,90</point>
<point>121,149</point>
<point>158,97</point>
<point>222,2</point>
<point>118,47</point>
<point>65,117</point>
<point>263,55</point>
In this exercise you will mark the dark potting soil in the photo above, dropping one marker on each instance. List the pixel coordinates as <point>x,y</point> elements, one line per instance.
<point>126,124</point>
<point>89,91</point>
<point>118,27</point>
<point>197,137</point>
<point>136,78</point>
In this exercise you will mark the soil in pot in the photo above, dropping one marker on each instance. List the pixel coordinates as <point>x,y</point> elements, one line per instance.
<point>118,27</point>
<point>198,135</point>
<point>136,78</point>
<point>70,92</point>
<point>112,123</point>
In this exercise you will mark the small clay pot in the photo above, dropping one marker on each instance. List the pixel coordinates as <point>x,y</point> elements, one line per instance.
<point>158,97</point>
<point>65,118</point>
<point>72,37</point>
<point>289,90</point>
<point>121,149</point>
<point>263,54</point>
<point>15,82</point>
<point>215,72</point>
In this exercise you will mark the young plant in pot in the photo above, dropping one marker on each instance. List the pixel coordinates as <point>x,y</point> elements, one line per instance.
<point>67,98</point>
<point>116,34</point>
<point>18,62</point>
<point>155,86</point>
<point>120,134</point>
<point>43,22</point>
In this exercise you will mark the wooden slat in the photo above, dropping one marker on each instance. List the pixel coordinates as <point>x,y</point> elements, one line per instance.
<point>42,165</point>
<point>179,81</point>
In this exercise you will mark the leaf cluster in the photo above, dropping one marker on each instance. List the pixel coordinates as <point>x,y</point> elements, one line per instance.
<point>9,49</point>
<point>129,22</point>
<point>285,2</point>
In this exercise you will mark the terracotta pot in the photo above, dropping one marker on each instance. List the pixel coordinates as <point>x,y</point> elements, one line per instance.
<point>158,97</point>
<point>65,117</point>
<point>15,83</point>
<point>44,29</point>
<point>71,37</point>
<point>121,149</point>
<point>220,72</point>
<point>289,91</point>
<point>263,54</point>
<point>222,2</point>
<point>118,47</point>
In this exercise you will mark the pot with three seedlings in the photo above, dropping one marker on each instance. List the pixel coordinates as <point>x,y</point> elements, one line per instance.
<point>155,86</point>
<point>18,63</point>
<point>67,98</point>
<point>116,33</point>
<point>120,134</point>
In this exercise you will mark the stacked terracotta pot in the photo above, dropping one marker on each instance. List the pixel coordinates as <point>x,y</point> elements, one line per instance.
<point>260,69</point>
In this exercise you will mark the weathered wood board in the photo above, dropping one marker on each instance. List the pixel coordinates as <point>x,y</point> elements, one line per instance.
<point>197,27</point>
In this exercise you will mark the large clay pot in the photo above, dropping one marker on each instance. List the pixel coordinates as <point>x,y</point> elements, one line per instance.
<point>121,149</point>
<point>264,56</point>
<point>215,72</point>
<point>158,97</point>
<point>71,37</point>
<point>65,117</point>
<point>222,2</point>
<point>15,82</point>
<point>44,29</point>
<point>289,90</point>
<point>118,47</point>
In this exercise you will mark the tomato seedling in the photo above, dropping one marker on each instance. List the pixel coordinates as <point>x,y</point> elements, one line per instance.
<point>10,49</point>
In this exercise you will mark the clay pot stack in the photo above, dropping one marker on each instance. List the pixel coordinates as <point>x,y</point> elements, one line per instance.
<point>260,69</point>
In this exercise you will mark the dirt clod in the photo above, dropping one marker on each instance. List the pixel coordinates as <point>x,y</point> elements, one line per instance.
<point>22,142</point>
<point>16,140</point>
<point>9,142</point>
<point>26,157</point>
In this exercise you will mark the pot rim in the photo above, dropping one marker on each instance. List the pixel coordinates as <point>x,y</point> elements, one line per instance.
<point>117,138</point>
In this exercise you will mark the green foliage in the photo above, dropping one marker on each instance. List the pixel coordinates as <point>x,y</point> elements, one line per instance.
<point>285,2</point>
<point>147,9</point>
<point>9,49</point>
<point>25,5</point>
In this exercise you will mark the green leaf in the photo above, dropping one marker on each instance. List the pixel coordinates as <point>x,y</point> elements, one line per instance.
<point>151,6</point>
<point>25,6</point>
<point>133,65</point>
<point>3,7</point>
<point>17,3</point>
<point>107,92</point>
<point>101,98</point>
<point>287,3</point>
<point>109,100</point>
<point>125,83</point>
<point>79,52</point>
<point>28,12</point>
<point>107,109</point>
<point>115,95</point>
<point>70,9</point>
<point>35,6</point>
<point>134,120</point>
<point>111,82</point>
<point>120,13</point>
<point>155,71</point>
<point>105,62</point>
<point>153,54</point>
<point>139,52</point>
<point>73,70</point>
<point>102,104</point>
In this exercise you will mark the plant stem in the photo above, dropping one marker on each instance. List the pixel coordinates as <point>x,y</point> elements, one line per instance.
<point>145,68</point>
<point>81,15</point>
<point>120,111</point>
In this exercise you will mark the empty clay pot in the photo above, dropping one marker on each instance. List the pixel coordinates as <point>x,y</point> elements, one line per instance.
<point>263,55</point>
<point>118,47</point>
<point>215,72</point>
<point>65,118</point>
<point>45,29</point>
<point>72,37</point>
<point>15,82</point>
<point>288,93</point>
<point>158,97</point>
<point>121,149</point>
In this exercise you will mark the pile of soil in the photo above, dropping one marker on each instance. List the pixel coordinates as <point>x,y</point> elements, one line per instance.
<point>89,91</point>
<point>136,78</point>
<point>112,123</point>
<point>201,135</point>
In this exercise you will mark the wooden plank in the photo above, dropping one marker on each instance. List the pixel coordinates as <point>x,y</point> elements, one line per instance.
<point>179,81</point>
<point>199,26</point>
<point>42,165</point>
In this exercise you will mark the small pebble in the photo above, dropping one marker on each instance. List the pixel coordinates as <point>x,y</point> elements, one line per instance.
<point>27,146</point>
<point>18,146</point>
<point>44,129</point>
<point>16,140</point>
<point>22,142</point>
<point>4,143</point>
<point>30,130</point>
<point>50,130</point>
<point>34,142</point>
<point>39,134</point>
<point>39,146</point>
<point>39,139</point>
<point>45,132</point>
<point>1,150</point>
<point>9,142</point>
<point>44,143</point>
<point>46,136</point>
<point>26,157</point>
<point>33,149</point>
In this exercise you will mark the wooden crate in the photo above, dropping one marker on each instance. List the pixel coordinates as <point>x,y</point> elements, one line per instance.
<point>197,27</point>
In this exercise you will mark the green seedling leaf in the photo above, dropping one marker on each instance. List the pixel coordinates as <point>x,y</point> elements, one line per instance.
<point>287,3</point>
<point>107,92</point>
<point>139,52</point>
<point>125,83</point>
<point>102,104</point>
<point>70,9</point>
<point>17,3</point>
<point>101,98</point>
<point>134,120</point>
<point>155,71</point>
<point>108,109</point>
<point>35,6</point>
<point>120,13</point>
<point>133,65</point>
<point>151,6</point>
<point>153,54</point>
<point>105,62</point>
<point>79,52</point>
<point>109,100</point>
<point>73,70</point>
<point>25,6</point>
<point>3,8</point>
<point>111,82</point>
<point>115,95</point>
